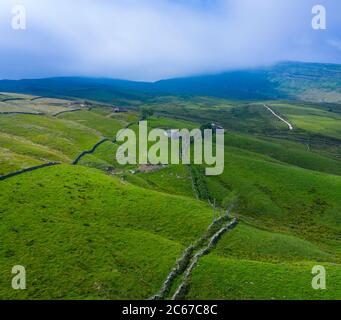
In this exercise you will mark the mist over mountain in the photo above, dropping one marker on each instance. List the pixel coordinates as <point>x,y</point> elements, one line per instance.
<point>287,80</point>
<point>150,40</point>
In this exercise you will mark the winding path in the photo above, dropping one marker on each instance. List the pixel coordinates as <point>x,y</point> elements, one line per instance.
<point>279,117</point>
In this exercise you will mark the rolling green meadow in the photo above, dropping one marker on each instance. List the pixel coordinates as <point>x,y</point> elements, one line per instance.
<point>96,229</point>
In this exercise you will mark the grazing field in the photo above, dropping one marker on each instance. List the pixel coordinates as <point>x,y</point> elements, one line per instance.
<point>92,231</point>
<point>236,279</point>
<point>312,118</point>
<point>106,126</point>
<point>100,230</point>
<point>10,102</point>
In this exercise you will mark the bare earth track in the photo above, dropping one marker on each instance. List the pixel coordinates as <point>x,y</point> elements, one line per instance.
<point>279,117</point>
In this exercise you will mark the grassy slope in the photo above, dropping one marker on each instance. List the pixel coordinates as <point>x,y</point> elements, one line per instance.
<point>63,136</point>
<point>252,243</point>
<point>218,277</point>
<point>10,102</point>
<point>311,118</point>
<point>292,224</point>
<point>299,209</point>
<point>88,235</point>
<point>285,151</point>
<point>29,140</point>
<point>282,190</point>
<point>82,243</point>
<point>173,180</point>
<point>19,152</point>
<point>107,126</point>
<point>297,198</point>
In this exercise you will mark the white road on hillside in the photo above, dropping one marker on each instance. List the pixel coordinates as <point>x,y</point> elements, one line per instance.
<point>279,117</point>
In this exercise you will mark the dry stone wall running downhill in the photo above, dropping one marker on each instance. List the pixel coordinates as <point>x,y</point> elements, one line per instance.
<point>93,149</point>
<point>67,111</point>
<point>16,173</point>
<point>181,291</point>
<point>185,264</point>
<point>23,112</point>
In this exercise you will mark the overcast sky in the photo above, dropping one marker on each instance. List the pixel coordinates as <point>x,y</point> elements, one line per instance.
<point>157,39</point>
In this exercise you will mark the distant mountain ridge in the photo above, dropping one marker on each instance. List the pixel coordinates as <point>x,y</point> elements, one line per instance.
<point>287,80</point>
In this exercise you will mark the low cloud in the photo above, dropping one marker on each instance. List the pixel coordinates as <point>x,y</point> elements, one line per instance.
<point>155,39</point>
<point>335,44</point>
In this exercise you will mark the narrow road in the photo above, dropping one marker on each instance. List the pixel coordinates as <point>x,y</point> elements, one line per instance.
<point>279,117</point>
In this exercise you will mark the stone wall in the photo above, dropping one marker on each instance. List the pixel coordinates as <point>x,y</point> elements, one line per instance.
<point>16,173</point>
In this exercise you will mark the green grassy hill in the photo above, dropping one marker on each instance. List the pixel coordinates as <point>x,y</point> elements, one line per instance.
<point>28,139</point>
<point>87,235</point>
<point>314,82</point>
<point>98,230</point>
